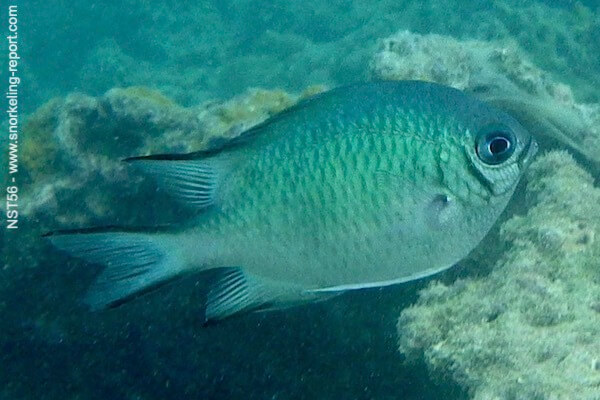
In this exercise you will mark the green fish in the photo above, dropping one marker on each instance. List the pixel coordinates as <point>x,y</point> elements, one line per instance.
<point>362,186</point>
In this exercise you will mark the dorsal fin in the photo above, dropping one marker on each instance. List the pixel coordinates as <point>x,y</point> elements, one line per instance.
<point>193,182</point>
<point>219,145</point>
<point>194,178</point>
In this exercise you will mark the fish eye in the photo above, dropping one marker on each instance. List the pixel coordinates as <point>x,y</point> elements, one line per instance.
<point>494,146</point>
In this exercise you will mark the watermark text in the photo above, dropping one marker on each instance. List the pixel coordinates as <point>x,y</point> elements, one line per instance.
<point>12,110</point>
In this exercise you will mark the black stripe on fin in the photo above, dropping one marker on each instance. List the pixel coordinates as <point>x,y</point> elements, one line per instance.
<point>217,145</point>
<point>111,228</point>
<point>168,157</point>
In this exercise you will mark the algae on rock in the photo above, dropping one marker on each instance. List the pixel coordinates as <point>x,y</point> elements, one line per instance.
<point>530,328</point>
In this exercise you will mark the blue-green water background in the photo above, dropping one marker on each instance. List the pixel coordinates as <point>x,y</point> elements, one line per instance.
<point>193,51</point>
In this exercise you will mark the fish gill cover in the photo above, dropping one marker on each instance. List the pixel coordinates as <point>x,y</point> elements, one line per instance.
<point>107,81</point>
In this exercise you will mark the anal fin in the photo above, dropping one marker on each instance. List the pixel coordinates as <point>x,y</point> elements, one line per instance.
<point>236,292</point>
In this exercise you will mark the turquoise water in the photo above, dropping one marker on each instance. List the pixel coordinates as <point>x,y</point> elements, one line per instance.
<point>198,54</point>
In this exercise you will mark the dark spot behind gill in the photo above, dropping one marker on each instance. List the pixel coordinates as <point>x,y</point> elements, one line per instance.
<point>434,210</point>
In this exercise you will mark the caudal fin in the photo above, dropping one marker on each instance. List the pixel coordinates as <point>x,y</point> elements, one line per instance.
<point>134,261</point>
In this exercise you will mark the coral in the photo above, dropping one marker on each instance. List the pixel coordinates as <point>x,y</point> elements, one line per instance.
<point>500,73</point>
<point>529,329</point>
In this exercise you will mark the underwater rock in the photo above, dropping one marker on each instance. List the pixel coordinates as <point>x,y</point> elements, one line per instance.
<point>501,74</point>
<point>529,329</point>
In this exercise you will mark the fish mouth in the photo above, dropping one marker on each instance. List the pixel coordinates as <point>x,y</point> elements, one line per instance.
<point>528,152</point>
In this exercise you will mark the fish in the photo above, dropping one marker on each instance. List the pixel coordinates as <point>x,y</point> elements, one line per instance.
<point>362,186</point>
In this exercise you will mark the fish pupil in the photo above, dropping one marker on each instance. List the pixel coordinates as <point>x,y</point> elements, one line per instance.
<point>494,146</point>
<point>498,145</point>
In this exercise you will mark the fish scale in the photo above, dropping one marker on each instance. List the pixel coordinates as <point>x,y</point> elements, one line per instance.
<point>353,192</point>
<point>389,143</point>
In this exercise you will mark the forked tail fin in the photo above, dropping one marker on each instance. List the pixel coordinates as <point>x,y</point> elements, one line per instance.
<point>135,261</point>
